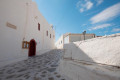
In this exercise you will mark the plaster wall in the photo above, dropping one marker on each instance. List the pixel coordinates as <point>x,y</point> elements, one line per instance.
<point>80,37</point>
<point>60,42</point>
<point>104,50</point>
<point>74,38</point>
<point>93,59</point>
<point>68,38</point>
<point>25,16</point>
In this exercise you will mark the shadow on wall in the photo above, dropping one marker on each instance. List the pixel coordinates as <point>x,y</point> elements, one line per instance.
<point>74,52</point>
<point>76,65</point>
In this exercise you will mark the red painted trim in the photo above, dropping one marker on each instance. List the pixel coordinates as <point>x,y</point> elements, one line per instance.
<point>29,54</point>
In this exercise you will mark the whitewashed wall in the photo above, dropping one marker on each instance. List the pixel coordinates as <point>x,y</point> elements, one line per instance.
<point>93,59</point>
<point>80,37</point>
<point>25,16</point>
<point>104,50</point>
<point>74,38</point>
<point>59,43</point>
<point>71,38</point>
<point>66,39</point>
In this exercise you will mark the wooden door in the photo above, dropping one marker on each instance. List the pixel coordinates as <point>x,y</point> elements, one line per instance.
<point>32,48</point>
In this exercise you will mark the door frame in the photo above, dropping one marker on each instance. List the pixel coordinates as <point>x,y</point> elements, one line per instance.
<point>29,53</point>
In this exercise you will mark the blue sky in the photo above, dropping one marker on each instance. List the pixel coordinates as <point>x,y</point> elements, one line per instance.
<point>101,17</point>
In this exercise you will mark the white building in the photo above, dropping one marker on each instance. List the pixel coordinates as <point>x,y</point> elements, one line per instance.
<point>22,24</point>
<point>93,59</point>
<point>71,37</point>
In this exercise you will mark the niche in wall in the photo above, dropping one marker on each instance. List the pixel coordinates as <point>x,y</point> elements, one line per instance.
<point>11,25</point>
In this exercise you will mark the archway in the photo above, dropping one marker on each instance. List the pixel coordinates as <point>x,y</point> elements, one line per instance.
<point>32,48</point>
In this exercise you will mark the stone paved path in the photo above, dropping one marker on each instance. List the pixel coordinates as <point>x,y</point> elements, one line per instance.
<point>41,67</point>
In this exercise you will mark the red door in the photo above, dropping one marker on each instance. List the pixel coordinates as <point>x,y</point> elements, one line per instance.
<point>32,48</point>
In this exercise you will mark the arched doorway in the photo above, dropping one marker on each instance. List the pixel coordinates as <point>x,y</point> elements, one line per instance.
<point>32,48</point>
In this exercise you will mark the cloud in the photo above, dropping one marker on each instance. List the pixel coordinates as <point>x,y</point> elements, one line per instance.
<point>116,30</point>
<point>106,14</point>
<point>93,12</point>
<point>99,2</point>
<point>84,5</point>
<point>84,25</point>
<point>89,5</point>
<point>100,27</point>
<point>105,31</point>
<point>81,10</point>
<point>78,4</point>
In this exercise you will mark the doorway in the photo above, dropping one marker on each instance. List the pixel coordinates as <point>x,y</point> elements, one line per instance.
<point>32,48</point>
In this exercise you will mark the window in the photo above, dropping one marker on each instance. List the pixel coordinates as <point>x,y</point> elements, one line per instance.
<point>38,26</point>
<point>53,36</point>
<point>25,45</point>
<point>47,33</point>
<point>50,35</point>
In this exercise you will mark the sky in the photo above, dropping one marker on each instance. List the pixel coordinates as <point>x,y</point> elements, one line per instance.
<point>101,17</point>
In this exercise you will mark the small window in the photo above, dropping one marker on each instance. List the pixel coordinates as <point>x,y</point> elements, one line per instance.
<point>47,33</point>
<point>25,45</point>
<point>53,36</point>
<point>50,35</point>
<point>38,26</point>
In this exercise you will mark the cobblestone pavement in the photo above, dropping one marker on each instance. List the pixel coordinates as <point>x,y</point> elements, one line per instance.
<point>41,67</point>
